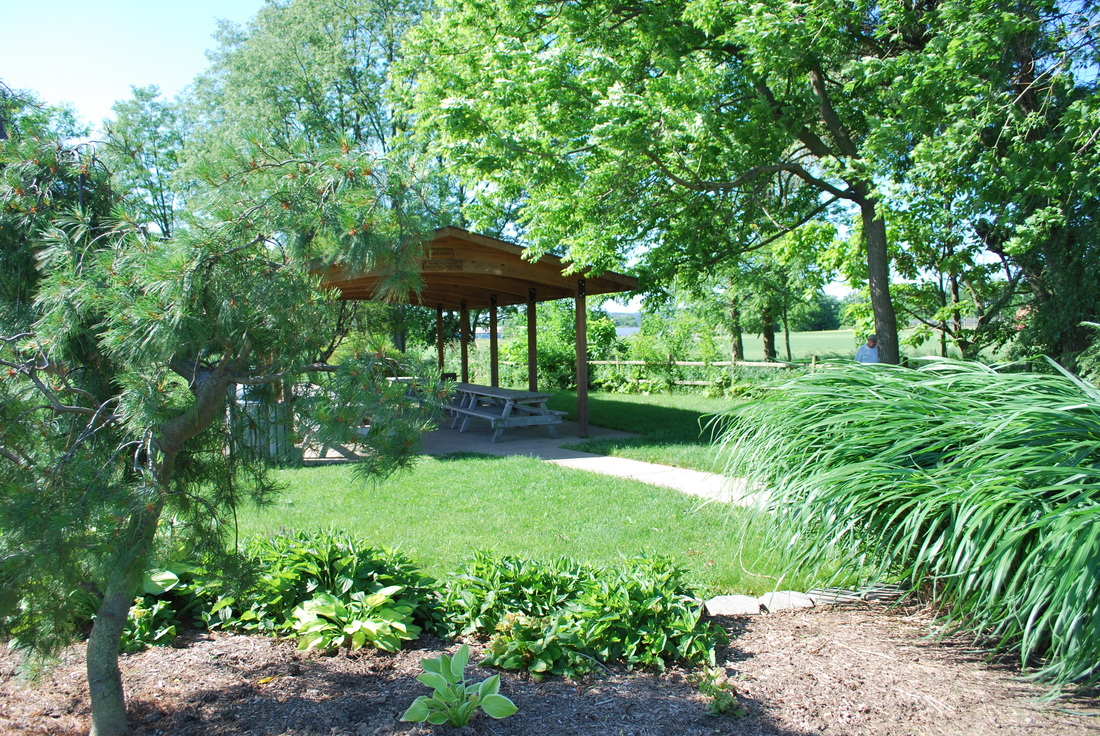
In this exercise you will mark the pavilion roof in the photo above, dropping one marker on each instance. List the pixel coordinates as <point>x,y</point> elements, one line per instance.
<point>461,265</point>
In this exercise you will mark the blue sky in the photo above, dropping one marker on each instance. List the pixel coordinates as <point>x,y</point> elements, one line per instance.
<point>90,52</point>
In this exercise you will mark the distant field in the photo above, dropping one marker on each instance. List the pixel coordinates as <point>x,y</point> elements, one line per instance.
<point>824,344</point>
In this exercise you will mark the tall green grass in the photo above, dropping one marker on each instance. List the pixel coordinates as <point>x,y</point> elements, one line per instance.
<point>983,486</point>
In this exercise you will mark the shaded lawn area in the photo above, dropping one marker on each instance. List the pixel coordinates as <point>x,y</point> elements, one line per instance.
<point>673,427</point>
<point>444,509</point>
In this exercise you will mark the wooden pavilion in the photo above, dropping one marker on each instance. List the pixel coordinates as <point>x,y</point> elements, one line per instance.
<point>464,271</point>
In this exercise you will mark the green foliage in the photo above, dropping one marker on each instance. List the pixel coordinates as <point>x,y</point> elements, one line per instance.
<point>143,148</point>
<point>492,586</point>
<point>151,623</point>
<point>556,356</point>
<point>378,618</point>
<point>713,682</point>
<point>330,578</point>
<point>1089,362</point>
<point>564,618</point>
<point>329,589</point>
<point>455,699</point>
<point>982,483</point>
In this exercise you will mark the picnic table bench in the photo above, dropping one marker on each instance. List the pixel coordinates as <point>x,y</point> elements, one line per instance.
<point>502,408</point>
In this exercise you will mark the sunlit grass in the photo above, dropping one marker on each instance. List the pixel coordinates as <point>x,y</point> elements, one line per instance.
<point>673,429</point>
<point>443,510</point>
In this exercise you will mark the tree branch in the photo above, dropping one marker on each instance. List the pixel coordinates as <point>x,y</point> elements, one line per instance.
<point>734,184</point>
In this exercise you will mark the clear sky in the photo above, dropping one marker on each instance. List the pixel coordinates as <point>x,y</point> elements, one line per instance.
<point>89,52</point>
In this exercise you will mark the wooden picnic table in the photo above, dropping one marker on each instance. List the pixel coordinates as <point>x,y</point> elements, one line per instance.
<point>502,408</point>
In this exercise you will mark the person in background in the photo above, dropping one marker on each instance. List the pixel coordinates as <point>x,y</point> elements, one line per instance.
<point>868,353</point>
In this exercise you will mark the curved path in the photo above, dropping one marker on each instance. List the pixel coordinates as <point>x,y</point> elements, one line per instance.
<point>536,442</point>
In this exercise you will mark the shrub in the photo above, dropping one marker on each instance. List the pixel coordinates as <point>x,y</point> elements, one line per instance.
<point>476,600</point>
<point>331,589</point>
<point>564,618</point>
<point>984,483</point>
<point>379,619</point>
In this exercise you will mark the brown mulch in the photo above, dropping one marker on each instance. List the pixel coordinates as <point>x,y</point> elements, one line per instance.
<point>858,669</point>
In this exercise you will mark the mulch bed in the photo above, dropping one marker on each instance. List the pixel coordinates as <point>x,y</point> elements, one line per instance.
<point>853,669</point>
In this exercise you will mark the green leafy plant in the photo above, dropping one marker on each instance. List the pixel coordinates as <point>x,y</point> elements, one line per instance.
<point>565,618</point>
<point>378,618</point>
<point>153,619</point>
<point>493,586</point>
<point>713,682</point>
<point>151,623</point>
<point>540,645</point>
<point>296,569</point>
<point>455,699</point>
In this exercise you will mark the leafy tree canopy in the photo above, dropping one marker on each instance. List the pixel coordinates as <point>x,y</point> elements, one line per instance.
<point>688,132</point>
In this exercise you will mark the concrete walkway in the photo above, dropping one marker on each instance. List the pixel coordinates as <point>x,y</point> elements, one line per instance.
<point>536,442</point>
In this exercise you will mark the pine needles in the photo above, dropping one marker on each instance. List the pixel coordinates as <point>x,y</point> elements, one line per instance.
<point>985,483</point>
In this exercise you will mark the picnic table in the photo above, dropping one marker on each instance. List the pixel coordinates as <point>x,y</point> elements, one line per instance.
<point>502,408</point>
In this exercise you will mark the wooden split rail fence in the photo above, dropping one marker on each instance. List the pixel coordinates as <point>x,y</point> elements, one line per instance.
<point>694,364</point>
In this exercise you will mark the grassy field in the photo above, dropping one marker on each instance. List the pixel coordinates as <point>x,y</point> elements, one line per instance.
<point>827,344</point>
<point>443,510</point>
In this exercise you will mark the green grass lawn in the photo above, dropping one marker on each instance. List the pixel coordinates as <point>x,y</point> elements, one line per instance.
<point>672,427</point>
<point>443,510</point>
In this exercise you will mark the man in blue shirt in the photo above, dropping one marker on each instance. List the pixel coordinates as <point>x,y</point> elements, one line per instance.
<point>868,353</point>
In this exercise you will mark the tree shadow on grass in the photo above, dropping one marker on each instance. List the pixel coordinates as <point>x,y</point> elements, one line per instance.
<point>459,456</point>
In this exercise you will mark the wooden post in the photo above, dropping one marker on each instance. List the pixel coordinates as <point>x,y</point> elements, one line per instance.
<point>439,335</point>
<point>532,344</point>
<point>464,329</point>
<point>582,359</point>
<point>494,355</point>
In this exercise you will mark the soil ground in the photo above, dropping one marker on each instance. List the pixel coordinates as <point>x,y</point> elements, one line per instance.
<point>856,669</point>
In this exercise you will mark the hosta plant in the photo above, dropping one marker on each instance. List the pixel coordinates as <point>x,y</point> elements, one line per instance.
<point>565,618</point>
<point>379,619</point>
<point>455,699</point>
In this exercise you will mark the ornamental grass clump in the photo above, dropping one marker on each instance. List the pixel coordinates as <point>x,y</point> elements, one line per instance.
<point>984,483</point>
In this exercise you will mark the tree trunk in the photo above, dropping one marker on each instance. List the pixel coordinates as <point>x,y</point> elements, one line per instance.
<point>737,338</point>
<point>104,677</point>
<point>878,279</point>
<point>768,330</point>
<point>787,335</point>
<point>943,322</point>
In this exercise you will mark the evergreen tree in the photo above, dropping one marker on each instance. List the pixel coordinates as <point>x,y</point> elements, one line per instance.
<point>122,355</point>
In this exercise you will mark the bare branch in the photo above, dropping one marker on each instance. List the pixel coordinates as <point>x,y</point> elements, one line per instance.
<point>258,380</point>
<point>756,171</point>
<point>19,460</point>
<point>55,403</point>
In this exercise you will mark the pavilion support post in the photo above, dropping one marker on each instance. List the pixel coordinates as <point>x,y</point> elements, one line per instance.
<point>582,359</point>
<point>439,343</point>
<point>532,344</point>
<point>465,340</point>
<point>494,354</point>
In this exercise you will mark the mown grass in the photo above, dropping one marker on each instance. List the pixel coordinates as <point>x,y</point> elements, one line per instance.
<point>443,510</point>
<point>673,429</point>
<point>833,344</point>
